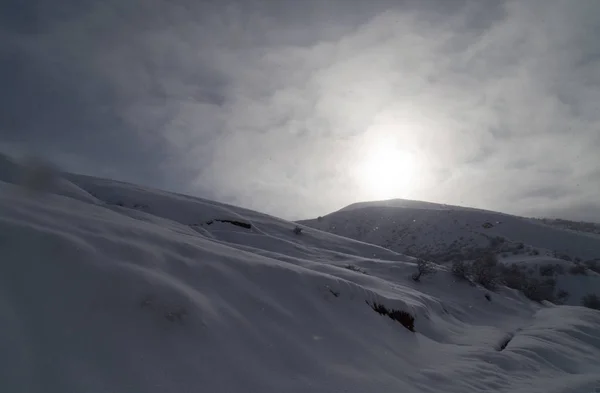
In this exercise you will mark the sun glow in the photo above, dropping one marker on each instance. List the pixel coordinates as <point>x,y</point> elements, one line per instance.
<point>387,172</point>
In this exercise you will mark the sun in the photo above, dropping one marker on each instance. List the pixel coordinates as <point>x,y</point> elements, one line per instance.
<point>387,172</point>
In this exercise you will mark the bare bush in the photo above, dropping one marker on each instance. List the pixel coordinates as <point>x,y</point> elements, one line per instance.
<point>533,289</point>
<point>593,265</point>
<point>578,270</point>
<point>562,295</point>
<point>530,290</point>
<point>405,318</point>
<point>513,277</point>
<point>548,289</point>
<point>591,301</point>
<point>484,271</point>
<point>547,270</point>
<point>424,268</point>
<point>537,290</point>
<point>460,270</point>
<point>355,268</point>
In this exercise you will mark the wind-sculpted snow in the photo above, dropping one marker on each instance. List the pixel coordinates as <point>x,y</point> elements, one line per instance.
<point>426,228</point>
<point>445,234</point>
<point>132,291</point>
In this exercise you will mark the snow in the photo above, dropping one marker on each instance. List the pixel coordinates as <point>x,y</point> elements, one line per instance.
<point>117,288</point>
<point>577,286</point>
<point>430,227</point>
<point>444,233</point>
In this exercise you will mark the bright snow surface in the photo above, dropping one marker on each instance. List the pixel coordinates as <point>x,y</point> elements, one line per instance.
<point>110,287</point>
<point>444,233</point>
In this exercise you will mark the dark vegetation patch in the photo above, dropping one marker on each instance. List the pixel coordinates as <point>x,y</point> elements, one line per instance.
<point>591,301</point>
<point>405,318</point>
<point>355,268</point>
<point>137,206</point>
<point>488,273</point>
<point>562,295</point>
<point>547,270</point>
<point>233,222</point>
<point>593,265</point>
<point>578,269</point>
<point>538,290</point>
<point>334,293</point>
<point>424,268</point>
<point>460,270</point>
<point>484,271</point>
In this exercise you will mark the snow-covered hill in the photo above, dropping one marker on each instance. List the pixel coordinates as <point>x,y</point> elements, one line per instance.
<point>445,233</point>
<point>110,287</point>
<point>580,226</point>
<point>434,230</point>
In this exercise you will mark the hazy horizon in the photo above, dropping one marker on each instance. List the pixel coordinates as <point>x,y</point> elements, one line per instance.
<point>298,109</point>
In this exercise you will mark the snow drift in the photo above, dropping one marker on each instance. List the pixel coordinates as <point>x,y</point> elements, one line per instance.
<point>111,287</point>
<point>445,233</point>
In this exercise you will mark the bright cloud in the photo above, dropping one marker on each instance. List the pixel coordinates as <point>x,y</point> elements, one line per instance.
<point>276,107</point>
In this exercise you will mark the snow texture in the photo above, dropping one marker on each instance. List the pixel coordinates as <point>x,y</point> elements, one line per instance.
<point>110,287</point>
<point>445,233</point>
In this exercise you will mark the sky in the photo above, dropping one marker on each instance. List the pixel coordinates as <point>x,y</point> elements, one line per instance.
<point>298,108</point>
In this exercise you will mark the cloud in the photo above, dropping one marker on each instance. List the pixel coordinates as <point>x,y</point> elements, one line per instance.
<point>273,105</point>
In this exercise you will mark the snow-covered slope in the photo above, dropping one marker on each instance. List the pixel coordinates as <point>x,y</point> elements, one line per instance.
<point>579,226</point>
<point>428,229</point>
<point>444,233</point>
<point>117,288</point>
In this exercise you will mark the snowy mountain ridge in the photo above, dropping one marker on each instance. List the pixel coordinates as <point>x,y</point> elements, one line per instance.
<point>110,287</point>
<point>427,229</point>
<point>444,234</point>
